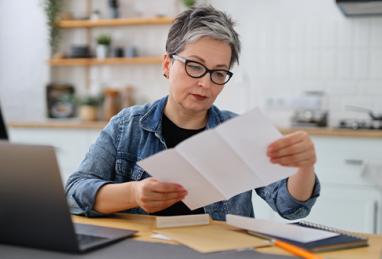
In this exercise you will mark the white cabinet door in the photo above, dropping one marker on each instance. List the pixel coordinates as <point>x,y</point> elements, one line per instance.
<point>333,154</point>
<point>349,208</point>
<point>71,144</point>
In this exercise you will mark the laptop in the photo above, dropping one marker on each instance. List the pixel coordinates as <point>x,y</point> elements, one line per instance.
<point>3,129</point>
<point>33,207</point>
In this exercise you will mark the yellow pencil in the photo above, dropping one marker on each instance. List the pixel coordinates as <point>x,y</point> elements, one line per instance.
<point>295,249</point>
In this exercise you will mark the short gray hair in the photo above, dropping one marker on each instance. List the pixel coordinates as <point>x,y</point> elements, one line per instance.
<point>202,21</point>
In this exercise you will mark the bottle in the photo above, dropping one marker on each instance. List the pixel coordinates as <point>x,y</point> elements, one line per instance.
<point>128,96</point>
<point>111,103</point>
<point>114,12</point>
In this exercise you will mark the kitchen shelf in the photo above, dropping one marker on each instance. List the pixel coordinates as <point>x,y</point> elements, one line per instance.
<point>114,22</point>
<point>107,61</point>
<point>87,27</point>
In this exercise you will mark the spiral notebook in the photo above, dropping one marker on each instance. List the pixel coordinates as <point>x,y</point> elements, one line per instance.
<point>310,236</point>
<point>344,240</point>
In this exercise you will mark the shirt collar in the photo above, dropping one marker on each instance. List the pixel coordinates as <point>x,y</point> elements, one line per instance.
<point>151,120</point>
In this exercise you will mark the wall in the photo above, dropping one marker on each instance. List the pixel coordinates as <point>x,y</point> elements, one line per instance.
<point>23,55</point>
<point>289,46</point>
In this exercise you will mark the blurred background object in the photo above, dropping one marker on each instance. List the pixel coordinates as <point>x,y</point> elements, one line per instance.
<point>88,107</point>
<point>112,103</point>
<point>114,9</point>
<point>103,46</point>
<point>60,101</point>
<point>311,110</point>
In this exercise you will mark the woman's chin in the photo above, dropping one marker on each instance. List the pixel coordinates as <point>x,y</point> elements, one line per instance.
<point>197,108</point>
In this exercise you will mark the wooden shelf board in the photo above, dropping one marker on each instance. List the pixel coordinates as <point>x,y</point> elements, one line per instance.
<point>107,61</point>
<point>114,22</point>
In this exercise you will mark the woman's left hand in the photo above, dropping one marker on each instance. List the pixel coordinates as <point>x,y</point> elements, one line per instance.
<point>293,150</point>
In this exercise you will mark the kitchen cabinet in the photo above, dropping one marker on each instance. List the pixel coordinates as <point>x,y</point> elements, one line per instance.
<point>348,200</point>
<point>71,144</point>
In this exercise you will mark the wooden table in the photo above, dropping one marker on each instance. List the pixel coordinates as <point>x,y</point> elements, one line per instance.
<point>145,227</point>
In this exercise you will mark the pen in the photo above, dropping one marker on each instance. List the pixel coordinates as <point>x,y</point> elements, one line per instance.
<point>295,249</point>
<point>287,246</point>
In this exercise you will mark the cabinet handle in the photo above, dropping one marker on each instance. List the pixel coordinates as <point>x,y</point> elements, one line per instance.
<point>354,161</point>
<point>375,218</point>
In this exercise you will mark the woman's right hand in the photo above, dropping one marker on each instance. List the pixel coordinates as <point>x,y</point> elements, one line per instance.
<point>152,195</point>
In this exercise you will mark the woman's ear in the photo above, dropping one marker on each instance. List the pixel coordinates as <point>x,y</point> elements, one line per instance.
<point>166,62</point>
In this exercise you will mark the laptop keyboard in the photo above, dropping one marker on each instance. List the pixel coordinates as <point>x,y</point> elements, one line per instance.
<point>86,239</point>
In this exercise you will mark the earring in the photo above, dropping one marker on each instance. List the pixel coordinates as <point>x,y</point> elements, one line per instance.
<point>165,75</point>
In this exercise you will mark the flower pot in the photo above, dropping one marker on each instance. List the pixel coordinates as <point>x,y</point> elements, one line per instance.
<point>102,51</point>
<point>88,113</point>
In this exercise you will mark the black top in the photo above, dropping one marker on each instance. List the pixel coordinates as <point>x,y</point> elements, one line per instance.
<point>173,135</point>
<point>3,129</point>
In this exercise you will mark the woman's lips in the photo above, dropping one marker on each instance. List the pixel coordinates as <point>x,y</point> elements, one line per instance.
<point>199,97</point>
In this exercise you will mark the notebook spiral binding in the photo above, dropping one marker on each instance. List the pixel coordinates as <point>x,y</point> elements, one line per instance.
<point>330,229</point>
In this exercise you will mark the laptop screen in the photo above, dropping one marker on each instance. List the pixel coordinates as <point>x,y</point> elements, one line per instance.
<point>3,128</point>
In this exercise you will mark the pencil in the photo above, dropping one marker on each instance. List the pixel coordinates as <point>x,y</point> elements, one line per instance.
<point>295,250</point>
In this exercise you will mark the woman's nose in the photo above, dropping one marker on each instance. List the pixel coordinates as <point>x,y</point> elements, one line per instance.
<point>205,81</point>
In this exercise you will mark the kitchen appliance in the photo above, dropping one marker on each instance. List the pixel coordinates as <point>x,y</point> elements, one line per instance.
<point>360,7</point>
<point>374,122</point>
<point>310,118</point>
<point>310,110</point>
<point>358,124</point>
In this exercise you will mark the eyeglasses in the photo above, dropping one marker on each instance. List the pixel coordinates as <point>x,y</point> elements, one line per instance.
<point>197,70</point>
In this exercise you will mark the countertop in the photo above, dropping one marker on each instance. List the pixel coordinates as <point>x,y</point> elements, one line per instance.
<point>97,125</point>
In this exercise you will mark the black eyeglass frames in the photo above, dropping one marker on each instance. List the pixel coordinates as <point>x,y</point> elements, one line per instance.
<point>197,70</point>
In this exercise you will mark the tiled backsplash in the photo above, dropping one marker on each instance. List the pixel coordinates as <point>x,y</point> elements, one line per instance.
<point>289,47</point>
<point>294,46</point>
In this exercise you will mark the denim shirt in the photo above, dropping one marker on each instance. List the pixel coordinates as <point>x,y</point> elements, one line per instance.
<point>134,134</point>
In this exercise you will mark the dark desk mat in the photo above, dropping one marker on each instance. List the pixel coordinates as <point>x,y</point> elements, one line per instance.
<point>133,249</point>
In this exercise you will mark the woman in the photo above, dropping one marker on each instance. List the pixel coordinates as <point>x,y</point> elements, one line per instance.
<point>202,46</point>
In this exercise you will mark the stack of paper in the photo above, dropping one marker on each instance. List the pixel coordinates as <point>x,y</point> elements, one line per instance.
<point>182,221</point>
<point>222,162</point>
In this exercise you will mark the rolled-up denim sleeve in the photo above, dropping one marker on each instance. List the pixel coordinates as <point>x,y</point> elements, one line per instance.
<point>95,171</point>
<point>281,201</point>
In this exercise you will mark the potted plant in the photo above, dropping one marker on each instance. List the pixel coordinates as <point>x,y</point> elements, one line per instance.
<point>189,3</point>
<point>52,10</point>
<point>103,46</point>
<point>88,107</point>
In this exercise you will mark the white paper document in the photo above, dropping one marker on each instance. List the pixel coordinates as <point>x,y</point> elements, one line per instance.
<point>220,163</point>
<point>279,230</point>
